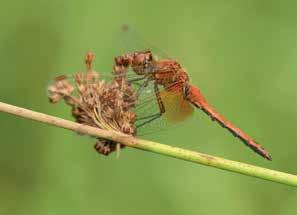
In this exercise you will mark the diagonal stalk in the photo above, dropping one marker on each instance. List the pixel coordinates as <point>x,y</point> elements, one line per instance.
<point>179,153</point>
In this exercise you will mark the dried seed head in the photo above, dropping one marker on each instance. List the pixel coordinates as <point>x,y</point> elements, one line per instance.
<point>94,102</point>
<point>105,147</point>
<point>89,57</point>
<point>59,89</point>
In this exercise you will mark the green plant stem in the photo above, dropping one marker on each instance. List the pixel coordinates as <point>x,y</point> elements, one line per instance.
<point>183,154</point>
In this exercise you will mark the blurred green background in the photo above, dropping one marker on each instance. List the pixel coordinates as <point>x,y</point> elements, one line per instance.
<point>242,54</point>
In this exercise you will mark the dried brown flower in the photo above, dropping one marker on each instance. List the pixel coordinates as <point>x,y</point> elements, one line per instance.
<point>94,102</point>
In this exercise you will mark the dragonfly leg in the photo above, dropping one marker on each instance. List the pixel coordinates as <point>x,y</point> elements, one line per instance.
<point>137,79</point>
<point>159,99</point>
<point>150,119</point>
<point>142,87</point>
<point>155,116</point>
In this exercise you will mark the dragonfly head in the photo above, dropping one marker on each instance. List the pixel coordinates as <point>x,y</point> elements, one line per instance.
<point>143,62</point>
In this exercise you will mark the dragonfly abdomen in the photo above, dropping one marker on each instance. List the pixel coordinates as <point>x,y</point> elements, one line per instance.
<point>194,95</point>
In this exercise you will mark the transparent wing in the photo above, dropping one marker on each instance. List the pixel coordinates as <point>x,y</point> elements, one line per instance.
<point>149,118</point>
<point>133,42</point>
<point>106,77</point>
<point>147,108</point>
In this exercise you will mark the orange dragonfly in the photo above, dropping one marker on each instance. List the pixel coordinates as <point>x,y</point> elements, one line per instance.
<point>169,75</point>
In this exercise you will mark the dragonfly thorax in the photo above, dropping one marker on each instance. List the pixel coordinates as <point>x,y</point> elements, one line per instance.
<point>169,73</point>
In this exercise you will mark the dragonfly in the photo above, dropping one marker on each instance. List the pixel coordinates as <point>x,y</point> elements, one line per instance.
<point>176,91</point>
<point>163,90</point>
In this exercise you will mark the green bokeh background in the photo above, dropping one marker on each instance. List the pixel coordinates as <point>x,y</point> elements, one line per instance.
<point>242,54</point>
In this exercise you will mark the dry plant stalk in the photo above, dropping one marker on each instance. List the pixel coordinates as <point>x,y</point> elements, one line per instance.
<point>98,104</point>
